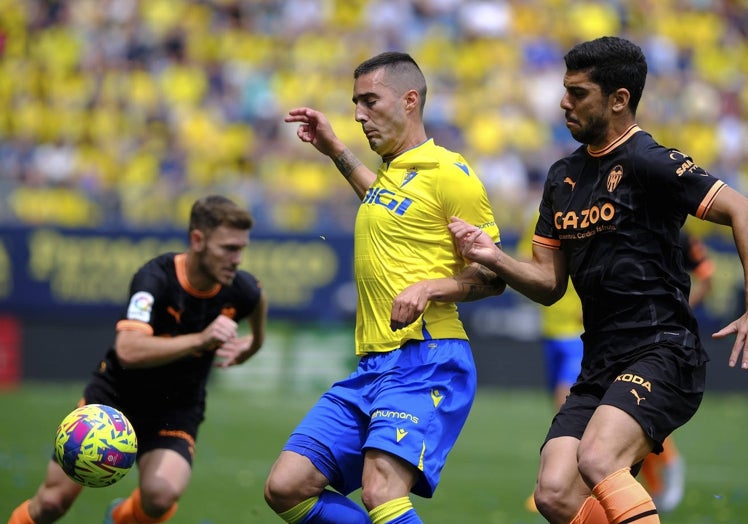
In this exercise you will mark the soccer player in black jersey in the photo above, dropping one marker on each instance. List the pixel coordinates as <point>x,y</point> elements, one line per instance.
<point>180,321</point>
<point>664,474</point>
<point>610,217</point>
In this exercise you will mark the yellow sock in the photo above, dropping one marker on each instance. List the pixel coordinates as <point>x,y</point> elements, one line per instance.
<point>625,500</point>
<point>21,515</point>
<point>299,511</point>
<point>591,512</point>
<point>390,510</point>
<point>130,511</point>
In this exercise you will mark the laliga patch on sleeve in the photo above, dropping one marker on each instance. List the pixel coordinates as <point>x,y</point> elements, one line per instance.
<point>141,305</point>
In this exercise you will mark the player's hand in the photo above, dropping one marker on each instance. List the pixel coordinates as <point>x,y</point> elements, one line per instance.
<point>221,330</point>
<point>235,351</point>
<point>314,128</point>
<point>473,243</point>
<point>409,305</point>
<point>740,328</point>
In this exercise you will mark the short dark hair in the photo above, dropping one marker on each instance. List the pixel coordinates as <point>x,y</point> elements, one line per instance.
<point>612,63</point>
<point>400,66</point>
<point>212,211</point>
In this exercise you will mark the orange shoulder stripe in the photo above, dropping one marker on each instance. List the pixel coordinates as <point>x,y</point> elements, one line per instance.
<point>549,243</point>
<point>706,204</point>
<point>134,325</point>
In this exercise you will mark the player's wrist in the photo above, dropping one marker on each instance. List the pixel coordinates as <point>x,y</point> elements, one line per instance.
<point>346,162</point>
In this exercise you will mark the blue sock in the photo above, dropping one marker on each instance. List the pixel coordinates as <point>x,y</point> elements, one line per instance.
<point>332,508</point>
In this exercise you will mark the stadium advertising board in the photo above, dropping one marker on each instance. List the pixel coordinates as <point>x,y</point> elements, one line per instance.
<point>62,272</point>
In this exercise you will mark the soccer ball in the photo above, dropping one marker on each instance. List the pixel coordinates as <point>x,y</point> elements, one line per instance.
<point>95,445</point>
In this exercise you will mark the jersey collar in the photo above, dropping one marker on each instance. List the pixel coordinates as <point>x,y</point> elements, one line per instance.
<point>180,264</point>
<point>615,143</point>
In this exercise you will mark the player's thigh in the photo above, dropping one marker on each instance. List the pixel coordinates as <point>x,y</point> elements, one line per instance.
<point>613,440</point>
<point>386,477</point>
<point>164,470</point>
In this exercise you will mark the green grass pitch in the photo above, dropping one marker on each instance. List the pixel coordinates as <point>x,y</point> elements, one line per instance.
<point>486,480</point>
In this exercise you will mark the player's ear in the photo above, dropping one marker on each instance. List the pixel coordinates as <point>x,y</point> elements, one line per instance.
<point>619,99</point>
<point>197,240</point>
<point>412,100</point>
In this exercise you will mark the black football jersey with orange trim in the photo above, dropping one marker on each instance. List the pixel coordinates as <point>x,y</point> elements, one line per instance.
<point>161,300</point>
<point>616,214</point>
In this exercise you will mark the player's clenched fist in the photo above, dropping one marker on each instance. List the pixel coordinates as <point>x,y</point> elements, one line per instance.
<point>219,331</point>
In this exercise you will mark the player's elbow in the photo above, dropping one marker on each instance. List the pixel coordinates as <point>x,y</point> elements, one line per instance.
<point>546,301</point>
<point>550,295</point>
<point>126,358</point>
<point>127,348</point>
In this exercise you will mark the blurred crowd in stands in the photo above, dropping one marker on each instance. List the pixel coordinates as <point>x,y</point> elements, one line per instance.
<point>120,112</point>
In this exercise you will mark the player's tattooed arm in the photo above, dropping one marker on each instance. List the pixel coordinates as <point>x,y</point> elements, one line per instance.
<point>346,162</point>
<point>473,283</point>
<point>477,281</point>
<point>354,171</point>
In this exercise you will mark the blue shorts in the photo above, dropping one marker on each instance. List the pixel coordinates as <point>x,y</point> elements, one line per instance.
<point>411,402</point>
<point>563,361</point>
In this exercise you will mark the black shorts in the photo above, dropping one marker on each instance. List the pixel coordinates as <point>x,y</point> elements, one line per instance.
<point>157,426</point>
<point>659,389</point>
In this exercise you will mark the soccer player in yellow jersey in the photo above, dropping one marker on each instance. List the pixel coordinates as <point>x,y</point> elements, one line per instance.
<point>388,427</point>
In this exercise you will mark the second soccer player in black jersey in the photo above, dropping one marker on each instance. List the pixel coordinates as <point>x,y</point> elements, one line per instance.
<point>610,218</point>
<point>179,322</point>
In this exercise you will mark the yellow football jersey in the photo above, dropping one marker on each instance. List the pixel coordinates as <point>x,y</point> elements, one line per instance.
<point>401,237</point>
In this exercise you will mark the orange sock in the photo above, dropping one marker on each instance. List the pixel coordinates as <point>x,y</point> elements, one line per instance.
<point>625,500</point>
<point>650,473</point>
<point>653,464</point>
<point>669,451</point>
<point>21,515</point>
<point>591,512</point>
<point>130,511</point>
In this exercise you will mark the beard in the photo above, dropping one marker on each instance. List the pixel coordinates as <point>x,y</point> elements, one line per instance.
<point>211,272</point>
<point>593,133</point>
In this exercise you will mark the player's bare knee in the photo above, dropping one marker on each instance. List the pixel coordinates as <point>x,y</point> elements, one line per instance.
<point>159,501</point>
<point>52,504</point>
<point>369,498</point>
<point>282,492</point>
<point>554,498</point>
<point>374,494</point>
<point>548,497</point>
<point>274,492</point>
<point>593,465</point>
<point>159,506</point>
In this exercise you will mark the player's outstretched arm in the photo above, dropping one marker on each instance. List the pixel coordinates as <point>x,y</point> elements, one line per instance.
<point>731,208</point>
<point>543,280</point>
<point>314,128</point>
